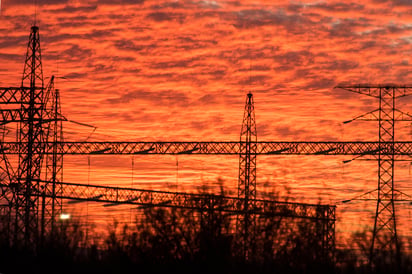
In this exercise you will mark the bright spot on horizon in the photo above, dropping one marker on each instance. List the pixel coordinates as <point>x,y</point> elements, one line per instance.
<point>64,216</point>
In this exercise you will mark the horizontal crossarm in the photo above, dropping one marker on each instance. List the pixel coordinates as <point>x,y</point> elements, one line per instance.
<point>202,202</point>
<point>13,95</point>
<point>228,148</point>
<point>377,90</point>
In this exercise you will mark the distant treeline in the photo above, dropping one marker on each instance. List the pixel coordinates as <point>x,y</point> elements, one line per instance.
<point>166,240</point>
<point>173,240</point>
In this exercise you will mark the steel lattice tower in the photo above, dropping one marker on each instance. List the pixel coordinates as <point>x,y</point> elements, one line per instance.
<point>247,176</point>
<point>52,207</point>
<point>385,207</point>
<point>384,236</point>
<point>31,141</point>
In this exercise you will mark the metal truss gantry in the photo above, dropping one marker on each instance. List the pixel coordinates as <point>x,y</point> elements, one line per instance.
<point>40,139</point>
<point>36,189</point>
<point>321,215</point>
<point>400,149</point>
<point>201,202</point>
<point>384,236</point>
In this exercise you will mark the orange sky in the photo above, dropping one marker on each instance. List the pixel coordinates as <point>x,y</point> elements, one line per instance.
<point>179,71</point>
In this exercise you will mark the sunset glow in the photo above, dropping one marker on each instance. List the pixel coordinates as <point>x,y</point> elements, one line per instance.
<point>140,70</point>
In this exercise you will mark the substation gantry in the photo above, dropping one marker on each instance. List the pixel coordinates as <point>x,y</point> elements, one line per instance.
<point>36,187</point>
<point>32,193</point>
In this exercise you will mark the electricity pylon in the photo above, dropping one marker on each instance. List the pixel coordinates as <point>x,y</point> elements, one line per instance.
<point>31,140</point>
<point>37,122</point>
<point>246,223</point>
<point>384,236</point>
<point>52,206</point>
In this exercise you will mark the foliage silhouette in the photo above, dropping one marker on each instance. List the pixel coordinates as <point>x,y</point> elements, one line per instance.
<point>167,240</point>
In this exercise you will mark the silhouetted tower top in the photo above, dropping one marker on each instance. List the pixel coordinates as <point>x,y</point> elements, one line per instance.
<point>247,163</point>
<point>33,71</point>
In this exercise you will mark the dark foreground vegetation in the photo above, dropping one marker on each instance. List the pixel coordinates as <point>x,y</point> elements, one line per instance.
<point>169,240</point>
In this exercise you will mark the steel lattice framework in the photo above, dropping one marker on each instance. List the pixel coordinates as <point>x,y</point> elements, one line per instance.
<point>246,222</point>
<point>31,139</point>
<point>322,215</point>
<point>36,109</point>
<point>51,204</point>
<point>6,194</point>
<point>225,148</point>
<point>202,202</point>
<point>36,189</point>
<point>384,235</point>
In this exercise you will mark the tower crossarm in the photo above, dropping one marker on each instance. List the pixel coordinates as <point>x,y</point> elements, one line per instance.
<point>225,148</point>
<point>12,95</point>
<point>202,202</point>
<point>11,115</point>
<point>376,90</point>
<point>18,115</point>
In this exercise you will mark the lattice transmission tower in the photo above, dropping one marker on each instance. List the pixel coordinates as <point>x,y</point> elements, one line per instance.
<point>246,222</point>
<point>52,206</point>
<point>384,236</point>
<point>31,139</point>
<point>35,109</point>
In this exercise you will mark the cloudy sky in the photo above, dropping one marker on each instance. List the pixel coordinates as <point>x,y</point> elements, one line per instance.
<point>180,70</point>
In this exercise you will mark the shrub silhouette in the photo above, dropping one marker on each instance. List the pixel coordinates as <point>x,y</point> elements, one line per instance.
<point>167,240</point>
